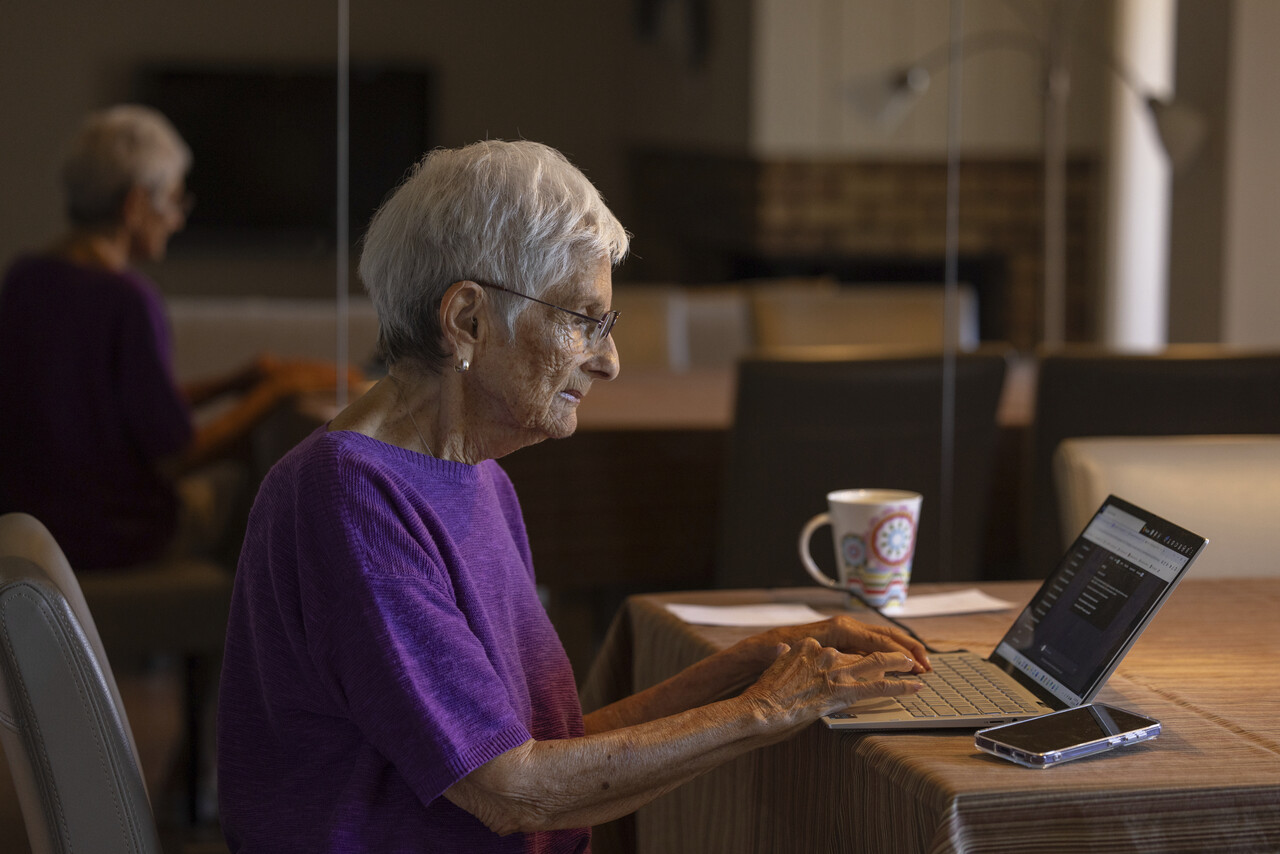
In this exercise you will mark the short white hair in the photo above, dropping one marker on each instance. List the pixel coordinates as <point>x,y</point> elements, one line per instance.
<point>516,214</point>
<point>115,150</point>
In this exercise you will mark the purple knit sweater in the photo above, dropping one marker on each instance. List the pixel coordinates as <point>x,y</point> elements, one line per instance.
<point>385,640</point>
<point>89,405</point>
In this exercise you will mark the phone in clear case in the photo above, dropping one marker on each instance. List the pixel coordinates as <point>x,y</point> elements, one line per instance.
<point>1069,734</point>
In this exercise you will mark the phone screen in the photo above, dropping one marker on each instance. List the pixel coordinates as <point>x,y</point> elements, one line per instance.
<point>1062,736</point>
<point>1060,730</point>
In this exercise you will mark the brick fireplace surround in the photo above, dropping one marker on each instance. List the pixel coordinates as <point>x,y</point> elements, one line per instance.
<point>706,217</point>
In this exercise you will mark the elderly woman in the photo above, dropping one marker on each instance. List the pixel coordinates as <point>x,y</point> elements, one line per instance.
<point>98,435</point>
<point>391,682</point>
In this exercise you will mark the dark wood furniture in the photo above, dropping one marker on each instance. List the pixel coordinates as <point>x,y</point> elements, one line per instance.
<point>1182,390</point>
<point>811,420</point>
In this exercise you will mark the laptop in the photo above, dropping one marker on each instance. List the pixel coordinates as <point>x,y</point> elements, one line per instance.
<point>1064,645</point>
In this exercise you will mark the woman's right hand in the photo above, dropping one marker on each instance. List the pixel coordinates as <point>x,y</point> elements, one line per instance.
<point>808,680</point>
<point>578,781</point>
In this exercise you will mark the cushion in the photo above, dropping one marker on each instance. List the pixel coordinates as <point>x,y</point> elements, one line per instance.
<point>1226,488</point>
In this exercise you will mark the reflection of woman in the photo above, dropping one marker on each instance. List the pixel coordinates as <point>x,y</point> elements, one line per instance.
<point>391,682</point>
<point>95,430</point>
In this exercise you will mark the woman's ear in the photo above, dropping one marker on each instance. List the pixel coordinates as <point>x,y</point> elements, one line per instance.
<point>137,204</point>
<point>462,318</point>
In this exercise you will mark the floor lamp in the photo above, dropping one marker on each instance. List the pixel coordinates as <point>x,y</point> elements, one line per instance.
<point>887,98</point>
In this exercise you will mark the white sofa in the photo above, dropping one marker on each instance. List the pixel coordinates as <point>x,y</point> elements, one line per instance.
<point>1226,488</point>
<point>215,335</point>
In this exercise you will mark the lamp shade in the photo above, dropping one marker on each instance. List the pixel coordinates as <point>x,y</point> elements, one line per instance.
<point>1181,128</point>
<point>886,98</point>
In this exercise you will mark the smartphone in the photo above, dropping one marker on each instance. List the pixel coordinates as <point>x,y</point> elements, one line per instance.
<point>1062,736</point>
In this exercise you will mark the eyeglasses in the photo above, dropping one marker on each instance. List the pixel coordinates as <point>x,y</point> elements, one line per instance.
<point>600,326</point>
<point>179,202</point>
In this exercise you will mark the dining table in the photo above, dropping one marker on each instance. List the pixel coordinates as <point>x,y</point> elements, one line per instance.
<point>1209,782</point>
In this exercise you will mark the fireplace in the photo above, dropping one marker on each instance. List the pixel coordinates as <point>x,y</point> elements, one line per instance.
<point>702,218</point>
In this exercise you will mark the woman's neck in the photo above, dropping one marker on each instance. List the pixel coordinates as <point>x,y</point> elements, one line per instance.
<point>97,250</point>
<point>422,410</point>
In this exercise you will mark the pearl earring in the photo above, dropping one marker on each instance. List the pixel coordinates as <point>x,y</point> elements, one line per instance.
<point>463,367</point>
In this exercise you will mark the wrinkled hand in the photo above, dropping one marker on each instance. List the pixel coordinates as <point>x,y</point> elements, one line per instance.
<point>848,635</point>
<point>808,680</point>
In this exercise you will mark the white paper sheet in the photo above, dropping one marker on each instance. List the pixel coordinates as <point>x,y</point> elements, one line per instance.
<point>777,614</point>
<point>971,601</point>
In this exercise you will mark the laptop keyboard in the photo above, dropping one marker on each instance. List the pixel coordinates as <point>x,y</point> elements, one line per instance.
<point>963,684</point>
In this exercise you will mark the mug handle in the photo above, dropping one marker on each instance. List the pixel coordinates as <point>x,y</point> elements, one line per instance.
<point>806,534</point>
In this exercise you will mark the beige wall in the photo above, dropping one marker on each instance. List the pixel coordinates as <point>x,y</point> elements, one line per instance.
<point>60,59</point>
<point>1251,281</point>
<point>1196,234</point>
<point>576,74</point>
<point>813,56</point>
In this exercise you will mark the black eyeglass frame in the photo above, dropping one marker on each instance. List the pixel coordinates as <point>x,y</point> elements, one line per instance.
<point>603,325</point>
<point>183,203</point>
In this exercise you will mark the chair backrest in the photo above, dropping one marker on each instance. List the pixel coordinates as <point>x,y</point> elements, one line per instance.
<point>62,723</point>
<point>679,328</point>
<point>653,331</point>
<point>898,314</point>
<point>718,325</point>
<point>1184,390</point>
<point>1225,488</point>
<point>814,420</point>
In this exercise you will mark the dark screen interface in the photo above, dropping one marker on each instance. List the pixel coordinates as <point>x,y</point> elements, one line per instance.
<point>1089,609</point>
<point>1085,618</point>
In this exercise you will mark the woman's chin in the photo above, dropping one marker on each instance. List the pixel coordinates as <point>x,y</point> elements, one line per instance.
<point>561,427</point>
<point>564,427</point>
<point>562,419</point>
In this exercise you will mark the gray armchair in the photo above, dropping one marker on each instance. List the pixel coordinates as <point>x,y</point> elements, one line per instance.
<point>62,723</point>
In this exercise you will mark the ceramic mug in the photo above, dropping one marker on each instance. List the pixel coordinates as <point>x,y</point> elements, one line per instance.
<point>875,538</point>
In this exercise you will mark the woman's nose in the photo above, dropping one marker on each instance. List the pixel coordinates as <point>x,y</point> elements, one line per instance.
<point>604,363</point>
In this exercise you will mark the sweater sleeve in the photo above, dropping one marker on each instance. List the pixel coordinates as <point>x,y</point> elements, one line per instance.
<point>159,419</point>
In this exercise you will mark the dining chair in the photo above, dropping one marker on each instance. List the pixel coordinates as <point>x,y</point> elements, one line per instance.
<point>1091,391</point>
<point>812,420</point>
<point>897,314</point>
<point>718,318</point>
<point>656,326</point>
<point>172,610</point>
<point>176,608</point>
<point>63,725</point>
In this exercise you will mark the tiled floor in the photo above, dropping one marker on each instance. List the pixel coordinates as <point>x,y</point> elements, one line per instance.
<point>152,698</point>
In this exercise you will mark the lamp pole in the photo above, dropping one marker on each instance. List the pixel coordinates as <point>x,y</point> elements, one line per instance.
<point>1057,91</point>
<point>343,182</point>
<point>1179,131</point>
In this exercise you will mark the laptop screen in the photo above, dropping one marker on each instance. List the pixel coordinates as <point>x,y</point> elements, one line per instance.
<point>1092,608</point>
